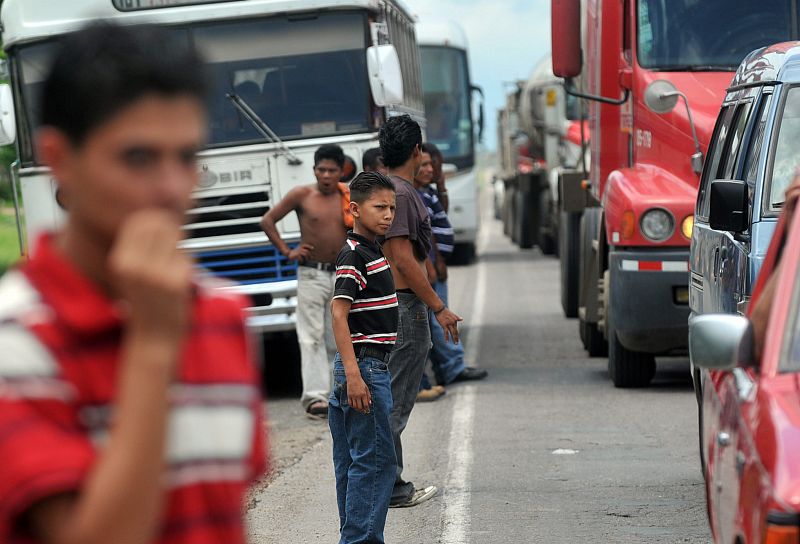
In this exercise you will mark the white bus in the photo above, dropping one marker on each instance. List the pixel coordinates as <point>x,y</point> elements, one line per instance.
<point>451,124</point>
<point>314,71</point>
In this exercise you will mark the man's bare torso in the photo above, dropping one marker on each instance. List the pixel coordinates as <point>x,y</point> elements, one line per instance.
<point>321,223</point>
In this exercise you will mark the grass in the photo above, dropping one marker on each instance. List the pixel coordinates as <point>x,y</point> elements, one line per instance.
<point>9,243</point>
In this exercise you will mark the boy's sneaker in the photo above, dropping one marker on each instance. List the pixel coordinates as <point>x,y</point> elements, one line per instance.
<point>430,395</point>
<point>419,496</point>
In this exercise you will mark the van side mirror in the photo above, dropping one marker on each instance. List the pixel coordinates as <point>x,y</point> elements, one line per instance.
<point>385,75</point>
<point>729,209</point>
<point>8,125</point>
<point>566,37</point>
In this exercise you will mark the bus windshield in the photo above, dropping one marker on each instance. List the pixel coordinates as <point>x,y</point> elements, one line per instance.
<point>445,84</point>
<point>304,77</point>
<point>697,35</point>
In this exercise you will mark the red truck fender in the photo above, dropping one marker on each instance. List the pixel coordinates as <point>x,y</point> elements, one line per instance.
<point>630,192</point>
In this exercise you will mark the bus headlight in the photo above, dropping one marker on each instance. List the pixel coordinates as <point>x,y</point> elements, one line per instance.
<point>688,226</point>
<point>657,224</point>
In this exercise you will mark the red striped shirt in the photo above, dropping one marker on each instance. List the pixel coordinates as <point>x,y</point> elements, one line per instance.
<point>57,401</point>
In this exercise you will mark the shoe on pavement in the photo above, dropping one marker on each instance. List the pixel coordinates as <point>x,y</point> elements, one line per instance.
<point>318,410</point>
<point>430,395</point>
<point>470,373</point>
<point>419,496</point>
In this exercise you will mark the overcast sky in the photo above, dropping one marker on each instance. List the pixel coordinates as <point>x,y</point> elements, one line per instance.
<point>507,38</point>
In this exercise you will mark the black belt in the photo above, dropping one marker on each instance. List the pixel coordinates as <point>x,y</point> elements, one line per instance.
<point>406,291</point>
<point>375,352</point>
<point>327,267</point>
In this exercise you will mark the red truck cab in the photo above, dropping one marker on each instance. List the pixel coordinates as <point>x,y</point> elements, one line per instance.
<point>653,74</point>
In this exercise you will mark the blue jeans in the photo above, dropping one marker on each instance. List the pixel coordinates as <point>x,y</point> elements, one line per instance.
<point>363,453</point>
<point>447,358</point>
<point>407,365</point>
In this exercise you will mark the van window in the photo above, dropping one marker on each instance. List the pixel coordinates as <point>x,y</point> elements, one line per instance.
<point>786,159</point>
<point>757,140</point>
<point>735,140</point>
<point>711,170</point>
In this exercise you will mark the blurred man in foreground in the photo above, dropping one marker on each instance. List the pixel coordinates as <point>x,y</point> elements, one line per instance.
<point>129,405</point>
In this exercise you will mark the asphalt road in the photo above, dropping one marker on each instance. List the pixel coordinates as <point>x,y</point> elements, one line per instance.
<point>544,450</point>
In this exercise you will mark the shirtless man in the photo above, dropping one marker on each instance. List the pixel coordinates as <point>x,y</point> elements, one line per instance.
<point>322,235</point>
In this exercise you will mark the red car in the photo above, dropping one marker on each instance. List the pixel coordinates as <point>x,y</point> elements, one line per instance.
<point>750,419</point>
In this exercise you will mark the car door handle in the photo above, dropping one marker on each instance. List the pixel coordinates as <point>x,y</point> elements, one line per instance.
<point>723,439</point>
<point>715,268</point>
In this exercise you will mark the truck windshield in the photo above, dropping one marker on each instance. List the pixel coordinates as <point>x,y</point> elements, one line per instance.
<point>445,84</point>
<point>304,77</point>
<point>713,35</point>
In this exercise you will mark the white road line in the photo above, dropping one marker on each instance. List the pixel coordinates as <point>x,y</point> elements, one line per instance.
<point>457,493</point>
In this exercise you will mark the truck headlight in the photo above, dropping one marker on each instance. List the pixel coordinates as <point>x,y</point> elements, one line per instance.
<point>657,224</point>
<point>688,226</point>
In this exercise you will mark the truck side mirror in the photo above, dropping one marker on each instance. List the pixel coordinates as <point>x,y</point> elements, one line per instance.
<point>566,38</point>
<point>729,210</point>
<point>385,75</point>
<point>8,126</point>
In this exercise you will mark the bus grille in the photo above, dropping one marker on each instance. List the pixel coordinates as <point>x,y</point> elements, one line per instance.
<point>230,214</point>
<point>250,265</point>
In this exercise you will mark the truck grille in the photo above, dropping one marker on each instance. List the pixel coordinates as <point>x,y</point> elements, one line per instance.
<point>237,213</point>
<point>249,265</point>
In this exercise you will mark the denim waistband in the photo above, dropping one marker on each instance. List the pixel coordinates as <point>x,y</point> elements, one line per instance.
<point>375,352</point>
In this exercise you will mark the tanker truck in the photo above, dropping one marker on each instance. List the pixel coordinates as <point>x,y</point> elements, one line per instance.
<point>541,141</point>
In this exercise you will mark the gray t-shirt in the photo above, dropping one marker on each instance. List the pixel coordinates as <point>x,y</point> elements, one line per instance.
<point>411,218</point>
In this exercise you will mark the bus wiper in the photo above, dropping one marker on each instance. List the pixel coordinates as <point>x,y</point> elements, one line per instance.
<point>262,127</point>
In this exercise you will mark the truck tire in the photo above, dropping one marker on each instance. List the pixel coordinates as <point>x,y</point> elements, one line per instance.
<point>629,369</point>
<point>463,254</point>
<point>591,335</point>
<point>523,220</point>
<point>568,252</point>
<point>547,233</point>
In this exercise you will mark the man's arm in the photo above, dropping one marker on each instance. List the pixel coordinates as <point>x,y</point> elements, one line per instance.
<point>289,203</point>
<point>122,498</point>
<point>358,395</point>
<point>401,256</point>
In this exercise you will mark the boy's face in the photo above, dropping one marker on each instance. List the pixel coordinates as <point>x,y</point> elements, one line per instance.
<point>328,174</point>
<point>142,157</point>
<point>425,172</point>
<point>375,214</point>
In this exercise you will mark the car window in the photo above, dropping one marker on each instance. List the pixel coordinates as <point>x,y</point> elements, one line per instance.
<point>735,139</point>
<point>790,352</point>
<point>711,169</point>
<point>786,158</point>
<point>757,140</point>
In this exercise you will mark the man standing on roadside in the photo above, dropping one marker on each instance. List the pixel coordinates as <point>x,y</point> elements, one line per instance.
<point>406,246</point>
<point>129,404</point>
<point>322,235</point>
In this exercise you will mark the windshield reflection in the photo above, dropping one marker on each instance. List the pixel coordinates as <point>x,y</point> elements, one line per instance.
<point>685,35</point>
<point>445,82</point>
<point>304,78</point>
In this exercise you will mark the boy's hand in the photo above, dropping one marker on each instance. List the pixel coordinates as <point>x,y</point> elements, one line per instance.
<point>449,322</point>
<point>152,276</point>
<point>358,395</point>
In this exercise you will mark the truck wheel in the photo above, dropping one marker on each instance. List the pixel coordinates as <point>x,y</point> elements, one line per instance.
<point>568,248</point>
<point>523,220</point>
<point>463,254</point>
<point>591,335</point>
<point>629,368</point>
<point>547,237</point>
<point>593,340</point>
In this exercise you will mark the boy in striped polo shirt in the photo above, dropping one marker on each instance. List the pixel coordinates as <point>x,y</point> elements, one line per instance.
<point>365,317</point>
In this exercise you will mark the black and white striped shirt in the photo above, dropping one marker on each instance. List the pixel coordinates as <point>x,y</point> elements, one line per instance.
<point>363,277</point>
